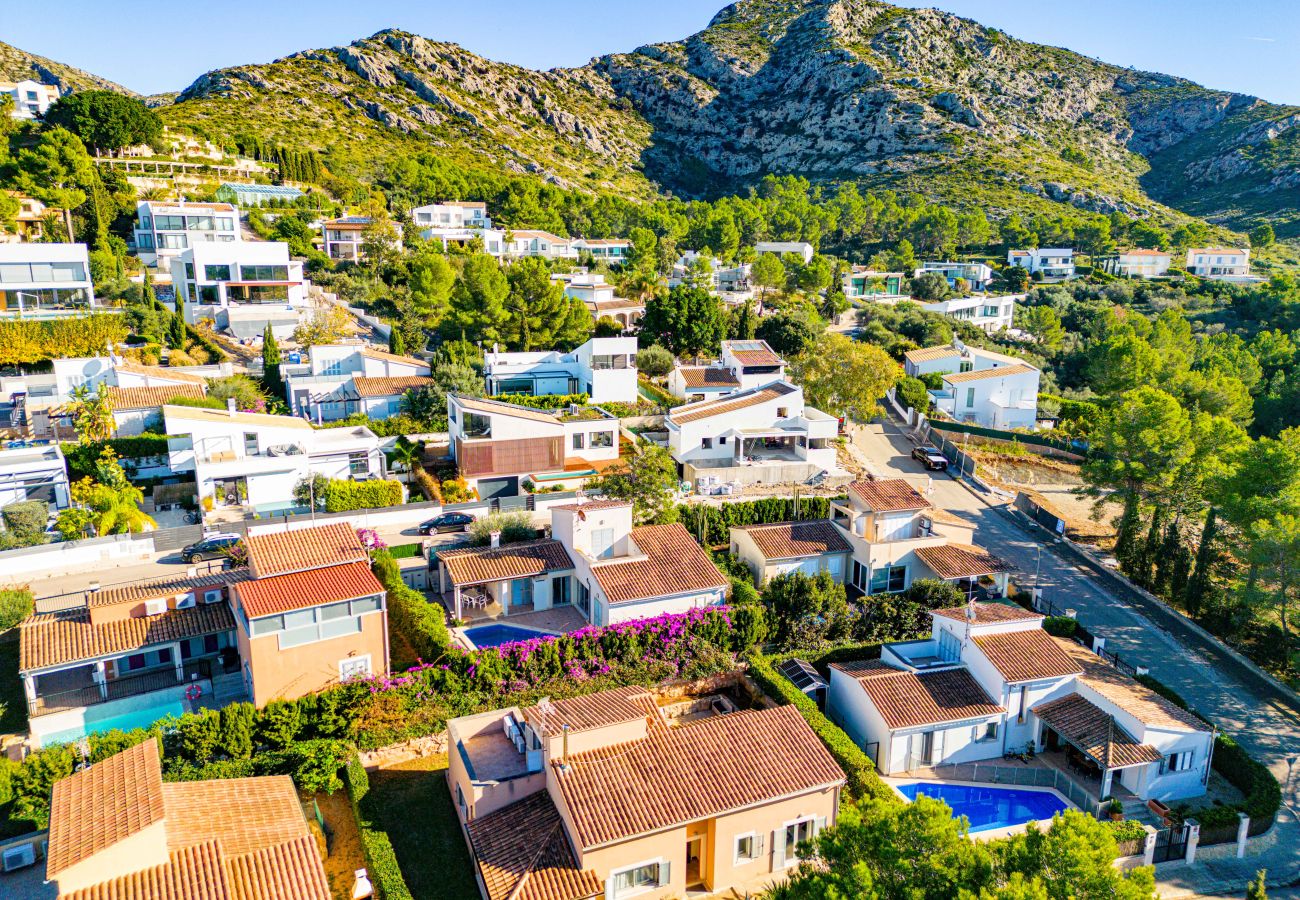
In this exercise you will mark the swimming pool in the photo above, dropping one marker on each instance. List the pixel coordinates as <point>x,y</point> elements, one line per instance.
<point>988,807</point>
<point>496,634</point>
<point>142,716</point>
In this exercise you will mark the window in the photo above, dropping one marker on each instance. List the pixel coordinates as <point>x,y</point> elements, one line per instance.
<point>722,441</point>
<point>985,733</point>
<point>639,878</point>
<point>706,443</point>
<point>602,439</point>
<point>250,443</point>
<point>216,273</point>
<point>888,580</point>
<point>792,836</point>
<point>358,463</point>
<point>477,426</point>
<point>970,397</point>
<point>602,542</point>
<point>782,412</point>
<point>264,273</point>
<point>1177,762</point>
<point>354,667</point>
<point>579,441</point>
<point>966,366</point>
<point>949,646</point>
<point>749,847</point>
<point>1024,703</point>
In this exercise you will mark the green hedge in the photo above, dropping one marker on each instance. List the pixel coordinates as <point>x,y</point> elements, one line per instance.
<point>715,522</point>
<point>16,604</point>
<point>25,520</point>
<point>1074,409</point>
<point>1261,793</point>
<point>343,495</point>
<point>404,551</point>
<point>381,860</point>
<point>543,401</point>
<point>863,783</point>
<point>423,624</point>
<point>1061,626</point>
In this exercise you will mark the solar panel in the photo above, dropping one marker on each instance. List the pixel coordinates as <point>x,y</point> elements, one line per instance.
<point>801,674</point>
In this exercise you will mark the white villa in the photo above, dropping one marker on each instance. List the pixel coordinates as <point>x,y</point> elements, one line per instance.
<point>497,446</point>
<point>802,249</point>
<point>532,242</point>
<point>989,680</point>
<point>344,238</point>
<point>1053,264</point>
<point>33,471</point>
<point>862,283</point>
<point>1138,263</point>
<point>989,314</point>
<point>602,368</point>
<point>597,560</point>
<point>759,435</point>
<point>31,98</point>
<point>41,281</point>
<point>608,250</point>
<point>452,222</point>
<point>341,379</point>
<point>741,365</point>
<point>980,386</point>
<point>1220,264</point>
<point>165,229</point>
<point>252,460</point>
<point>242,286</point>
<point>977,276</point>
<point>598,296</point>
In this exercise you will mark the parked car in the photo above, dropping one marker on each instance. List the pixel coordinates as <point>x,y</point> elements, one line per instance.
<point>930,458</point>
<point>446,522</point>
<point>214,546</point>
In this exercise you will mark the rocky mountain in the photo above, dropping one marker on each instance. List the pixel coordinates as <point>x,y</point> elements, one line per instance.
<point>18,65</point>
<point>915,100</point>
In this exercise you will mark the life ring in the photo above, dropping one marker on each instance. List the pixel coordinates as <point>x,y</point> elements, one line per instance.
<point>193,692</point>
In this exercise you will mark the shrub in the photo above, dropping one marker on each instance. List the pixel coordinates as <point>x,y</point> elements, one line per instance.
<point>654,361</point>
<point>514,526</point>
<point>456,490</point>
<point>16,604</point>
<point>1061,626</point>
<point>381,860</point>
<point>26,520</point>
<point>404,551</point>
<point>33,340</point>
<point>201,402</point>
<point>911,392</point>
<point>711,524</point>
<point>544,401</point>
<point>314,764</point>
<point>342,495</point>
<point>426,485</point>
<point>863,782</point>
<point>421,623</point>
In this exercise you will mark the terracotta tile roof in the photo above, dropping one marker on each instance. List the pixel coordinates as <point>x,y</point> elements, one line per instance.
<point>982,374</point>
<point>245,814</point>
<point>151,397</point>
<point>889,495</point>
<point>507,409</point>
<point>1026,655</point>
<point>168,587</point>
<point>1088,727</point>
<point>594,504</point>
<point>930,354</point>
<point>624,704</point>
<point>708,377</point>
<point>1235,250</point>
<point>1134,698</point>
<point>707,409</point>
<point>673,564</point>
<point>163,373</point>
<point>678,775</point>
<point>107,802</point>
<point>1141,252</point>
<point>795,540</point>
<point>277,552</point>
<point>288,871</point>
<point>753,353</point>
<point>190,873</point>
<point>203,414</point>
<point>961,561</point>
<point>52,639</point>
<point>375,353</point>
<point>909,699</point>
<point>299,590</point>
<point>386,387</point>
<point>989,613</point>
<point>478,565</point>
<point>523,854</point>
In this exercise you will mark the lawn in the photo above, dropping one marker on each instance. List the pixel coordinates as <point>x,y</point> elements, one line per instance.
<point>411,802</point>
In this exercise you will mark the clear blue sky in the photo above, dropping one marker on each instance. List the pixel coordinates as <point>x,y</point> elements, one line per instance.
<point>1252,46</point>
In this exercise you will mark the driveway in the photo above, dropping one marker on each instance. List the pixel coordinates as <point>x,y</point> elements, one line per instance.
<point>1265,725</point>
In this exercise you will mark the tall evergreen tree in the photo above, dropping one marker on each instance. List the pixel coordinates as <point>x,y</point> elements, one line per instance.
<point>1198,588</point>
<point>271,361</point>
<point>395,343</point>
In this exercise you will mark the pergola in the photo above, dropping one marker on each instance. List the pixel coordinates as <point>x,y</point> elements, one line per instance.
<point>1095,733</point>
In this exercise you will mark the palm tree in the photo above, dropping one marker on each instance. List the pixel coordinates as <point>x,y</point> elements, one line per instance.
<point>407,454</point>
<point>117,510</point>
<point>92,414</point>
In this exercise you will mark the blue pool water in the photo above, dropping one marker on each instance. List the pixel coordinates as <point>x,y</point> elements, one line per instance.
<point>990,807</point>
<point>496,634</point>
<point>137,718</point>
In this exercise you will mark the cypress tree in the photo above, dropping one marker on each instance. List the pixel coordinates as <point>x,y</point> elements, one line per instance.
<point>1198,587</point>
<point>395,343</point>
<point>270,361</point>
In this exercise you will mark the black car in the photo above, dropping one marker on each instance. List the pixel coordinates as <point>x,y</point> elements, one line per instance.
<point>446,522</point>
<point>215,546</point>
<point>931,458</point>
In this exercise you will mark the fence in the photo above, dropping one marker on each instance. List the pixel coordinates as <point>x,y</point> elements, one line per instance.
<point>1039,513</point>
<point>117,688</point>
<point>1087,638</point>
<point>1023,776</point>
<point>1075,448</point>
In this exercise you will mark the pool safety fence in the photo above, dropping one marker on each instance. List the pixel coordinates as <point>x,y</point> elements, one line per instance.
<point>118,688</point>
<point>1020,776</point>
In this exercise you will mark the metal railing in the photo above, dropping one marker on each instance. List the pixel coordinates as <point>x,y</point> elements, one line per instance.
<point>1023,776</point>
<point>118,688</point>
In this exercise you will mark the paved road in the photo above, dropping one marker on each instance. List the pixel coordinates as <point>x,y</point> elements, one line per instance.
<point>1268,729</point>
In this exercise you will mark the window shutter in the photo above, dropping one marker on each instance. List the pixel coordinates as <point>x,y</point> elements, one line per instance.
<point>609,888</point>
<point>819,823</point>
<point>665,873</point>
<point>778,849</point>
<point>758,846</point>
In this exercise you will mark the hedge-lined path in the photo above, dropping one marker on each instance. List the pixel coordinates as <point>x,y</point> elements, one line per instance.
<point>1264,722</point>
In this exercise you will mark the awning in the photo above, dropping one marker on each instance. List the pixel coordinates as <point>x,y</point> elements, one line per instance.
<point>1095,732</point>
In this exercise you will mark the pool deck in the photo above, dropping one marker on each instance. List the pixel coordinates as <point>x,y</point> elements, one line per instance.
<point>560,620</point>
<point>991,833</point>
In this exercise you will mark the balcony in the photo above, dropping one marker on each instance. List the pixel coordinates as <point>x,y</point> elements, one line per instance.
<point>90,693</point>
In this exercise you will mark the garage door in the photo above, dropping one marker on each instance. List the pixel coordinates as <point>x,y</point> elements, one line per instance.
<point>498,487</point>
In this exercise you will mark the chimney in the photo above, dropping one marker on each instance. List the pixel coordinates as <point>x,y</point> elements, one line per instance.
<point>230,405</point>
<point>564,749</point>
<point>496,539</point>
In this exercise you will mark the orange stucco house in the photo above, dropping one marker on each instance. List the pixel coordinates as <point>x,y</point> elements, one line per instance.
<point>311,614</point>
<point>605,795</point>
